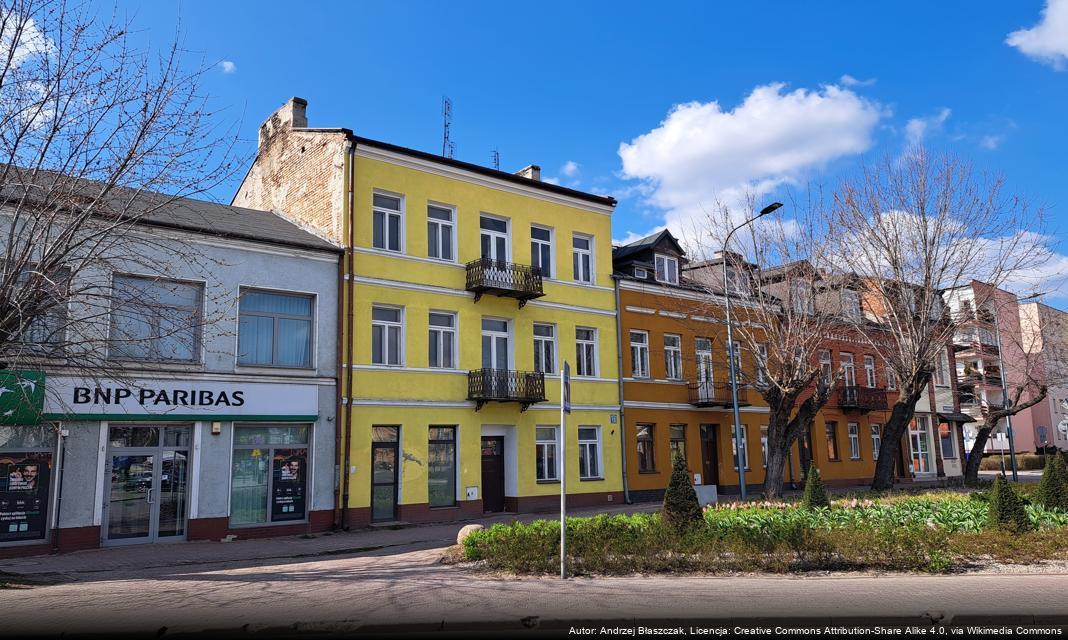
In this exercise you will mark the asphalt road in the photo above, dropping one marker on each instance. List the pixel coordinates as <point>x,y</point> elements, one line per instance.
<point>409,590</point>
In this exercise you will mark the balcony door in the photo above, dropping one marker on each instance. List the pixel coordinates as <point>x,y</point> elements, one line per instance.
<point>704,369</point>
<point>494,233</point>
<point>494,344</point>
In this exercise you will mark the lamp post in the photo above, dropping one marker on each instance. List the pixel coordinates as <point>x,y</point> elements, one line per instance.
<point>731,355</point>
<point>1005,391</point>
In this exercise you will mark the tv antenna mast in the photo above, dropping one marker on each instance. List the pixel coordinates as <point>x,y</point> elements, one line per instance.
<point>447,147</point>
<point>496,156</point>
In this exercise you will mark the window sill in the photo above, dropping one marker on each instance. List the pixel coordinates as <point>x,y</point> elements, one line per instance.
<point>650,472</point>
<point>254,525</point>
<point>591,479</point>
<point>445,508</point>
<point>548,482</point>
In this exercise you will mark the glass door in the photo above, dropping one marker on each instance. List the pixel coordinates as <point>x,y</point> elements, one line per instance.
<point>495,357</point>
<point>148,468</point>
<point>919,443</point>
<point>384,446</point>
<point>494,241</point>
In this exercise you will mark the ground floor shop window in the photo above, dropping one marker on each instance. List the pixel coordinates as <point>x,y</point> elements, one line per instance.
<point>25,472</point>
<point>441,466</point>
<point>270,474</point>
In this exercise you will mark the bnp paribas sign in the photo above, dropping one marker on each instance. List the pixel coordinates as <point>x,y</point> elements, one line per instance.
<point>22,396</point>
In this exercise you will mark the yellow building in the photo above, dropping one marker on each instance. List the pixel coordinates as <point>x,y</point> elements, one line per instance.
<point>464,291</point>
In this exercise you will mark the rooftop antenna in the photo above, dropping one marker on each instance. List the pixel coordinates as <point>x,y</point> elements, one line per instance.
<point>447,147</point>
<point>496,155</point>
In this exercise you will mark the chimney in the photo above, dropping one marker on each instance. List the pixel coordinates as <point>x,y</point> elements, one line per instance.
<point>292,115</point>
<point>531,171</point>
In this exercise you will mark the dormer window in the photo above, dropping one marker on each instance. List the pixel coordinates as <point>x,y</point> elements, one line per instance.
<point>641,272</point>
<point>801,296</point>
<point>736,282</point>
<point>850,304</point>
<point>667,269</point>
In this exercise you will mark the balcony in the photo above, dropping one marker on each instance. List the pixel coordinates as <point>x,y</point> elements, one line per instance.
<point>504,279</point>
<point>862,398</point>
<point>708,394</point>
<point>505,385</point>
<point>974,349</point>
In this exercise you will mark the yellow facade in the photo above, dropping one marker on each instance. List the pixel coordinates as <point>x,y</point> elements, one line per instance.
<point>414,396</point>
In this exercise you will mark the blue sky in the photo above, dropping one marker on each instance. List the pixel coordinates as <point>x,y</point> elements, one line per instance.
<point>565,84</point>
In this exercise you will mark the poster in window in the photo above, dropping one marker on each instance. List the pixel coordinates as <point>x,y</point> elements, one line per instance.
<point>24,495</point>
<point>290,470</point>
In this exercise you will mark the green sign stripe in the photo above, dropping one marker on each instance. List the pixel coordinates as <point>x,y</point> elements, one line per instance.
<point>126,417</point>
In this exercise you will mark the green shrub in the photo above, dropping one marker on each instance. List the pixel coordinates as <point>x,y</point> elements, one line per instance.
<point>681,508</point>
<point>815,495</point>
<point>1052,491</point>
<point>1006,510</point>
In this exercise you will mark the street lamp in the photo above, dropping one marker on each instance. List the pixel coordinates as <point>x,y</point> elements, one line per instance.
<point>731,354</point>
<point>1005,390</point>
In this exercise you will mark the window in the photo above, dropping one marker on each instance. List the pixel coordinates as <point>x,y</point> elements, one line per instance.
<point>583,257</point>
<point>586,352</point>
<point>639,354</point>
<point>832,440</point>
<point>441,466</point>
<point>849,373</point>
<point>735,350</point>
<point>589,452</point>
<point>646,459</point>
<point>736,282</point>
<point>274,329</point>
<point>825,366</point>
<point>762,364</point>
<point>545,453</point>
<point>46,333</point>
<point>25,472</point>
<point>678,440</point>
<point>439,231</point>
<point>891,378</point>
<point>703,348</point>
<point>673,356</point>
<point>869,371</point>
<point>850,304</point>
<point>801,296</point>
<point>764,444</point>
<point>544,348</point>
<point>667,269</point>
<point>386,222</point>
<point>155,320</point>
<point>386,337</point>
<point>941,373</point>
<point>442,341</point>
<point>876,440</point>
<point>948,442</point>
<point>269,480</point>
<point>541,250</point>
<point>854,440</point>
<point>745,447</point>
<point>494,239</point>
<point>641,272</point>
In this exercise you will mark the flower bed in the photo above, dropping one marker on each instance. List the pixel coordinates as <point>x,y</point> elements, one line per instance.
<point>913,533</point>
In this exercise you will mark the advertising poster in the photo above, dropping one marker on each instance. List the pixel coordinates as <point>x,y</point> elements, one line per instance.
<point>290,469</point>
<point>24,495</point>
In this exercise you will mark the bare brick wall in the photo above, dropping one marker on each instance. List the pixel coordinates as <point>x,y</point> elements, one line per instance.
<point>298,174</point>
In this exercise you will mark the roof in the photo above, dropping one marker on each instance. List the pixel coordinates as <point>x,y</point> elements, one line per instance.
<point>185,214</point>
<point>607,201</point>
<point>955,417</point>
<point>646,243</point>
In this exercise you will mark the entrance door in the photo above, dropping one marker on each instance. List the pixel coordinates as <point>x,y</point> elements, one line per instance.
<point>920,445</point>
<point>384,454</point>
<point>492,473</point>
<point>148,467</point>
<point>709,459</point>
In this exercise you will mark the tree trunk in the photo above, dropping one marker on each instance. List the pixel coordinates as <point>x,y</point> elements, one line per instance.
<point>975,456</point>
<point>890,447</point>
<point>773,475</point>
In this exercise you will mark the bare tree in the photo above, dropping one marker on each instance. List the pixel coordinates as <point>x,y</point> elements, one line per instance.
<point>911,228</point>
<point>97,139</point>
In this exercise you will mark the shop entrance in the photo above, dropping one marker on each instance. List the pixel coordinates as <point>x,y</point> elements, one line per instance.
<point>147,472</point>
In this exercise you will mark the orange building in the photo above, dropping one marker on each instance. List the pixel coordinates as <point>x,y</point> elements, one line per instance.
<point>676,388</point>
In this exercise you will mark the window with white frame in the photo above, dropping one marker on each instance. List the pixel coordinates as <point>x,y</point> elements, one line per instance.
<point>541,250</point>
<point>639,354</point>
<point>703,351</point>
<point>544,348</point>
<point>46,333</point>
<point>869,371</point>
<point>891,378</point>
<point>745,447</point>
<point>667,269</point>
<point>155,320</point>
<point>849,373</point>
<point>274,329</point>
<point>545,452</point>
<point>387,225</point>
<point>641,272</point>
<point>582,254</point>
<point>386,335</point>
<point>947,441</point>
<point>442,340</point>
<point>762,364</point>
<point>942,370</point>
<point>737,282</point>
<point>589,439</point>
<point>764,444</point>
<point>586,352</point>
<point>850,304</point>
<point>801,296</point>
<point>825,365</point>
<point>673,356</point>
<point>735,350</point>
<point>853,430</point>
<point>440,227</point>
<point>876,440</point>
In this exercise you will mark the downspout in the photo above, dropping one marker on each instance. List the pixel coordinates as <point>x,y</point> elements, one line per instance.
<point>61,450</point>
<point>339,470</point>
<point>350,304</point>
<point>619,378</point>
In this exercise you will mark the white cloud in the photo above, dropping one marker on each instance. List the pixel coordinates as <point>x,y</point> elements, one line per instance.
<point>570,169</point>
<point>28,42</point>
<point>701,155</point>
<point>228,66</point>
<point>849,81</point>
<point>1047,41</point>
<point>991,142</point>
<point>551,180</point>
<point>917,128</point>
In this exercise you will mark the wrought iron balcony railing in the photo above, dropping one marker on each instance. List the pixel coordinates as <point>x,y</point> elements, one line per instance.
<point>505,385</point>
<point>709,394</point>
<point>505,279</point>
<point>862,398</point>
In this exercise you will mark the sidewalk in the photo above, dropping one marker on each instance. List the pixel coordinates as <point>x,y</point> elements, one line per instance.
<point>138,558</point>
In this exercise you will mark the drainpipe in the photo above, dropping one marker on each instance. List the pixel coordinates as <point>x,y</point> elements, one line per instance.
<point>619,377</point>
<point>349,221</point>
<point>61,450</point>
<point>338,395</point>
